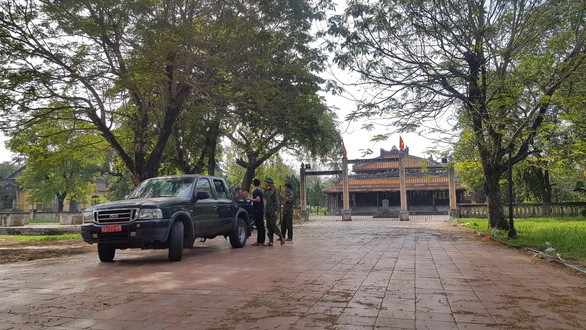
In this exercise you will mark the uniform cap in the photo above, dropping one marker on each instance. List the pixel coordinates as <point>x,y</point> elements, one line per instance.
<point>269,179</point>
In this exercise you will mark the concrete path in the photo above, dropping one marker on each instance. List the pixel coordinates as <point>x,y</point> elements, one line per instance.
<point>364,274</point>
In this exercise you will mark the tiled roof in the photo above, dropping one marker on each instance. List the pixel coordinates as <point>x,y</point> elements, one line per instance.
<point>389,162</point>
<point>392,184</point>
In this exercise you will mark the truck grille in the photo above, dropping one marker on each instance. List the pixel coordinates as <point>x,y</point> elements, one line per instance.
<point>116,215</point>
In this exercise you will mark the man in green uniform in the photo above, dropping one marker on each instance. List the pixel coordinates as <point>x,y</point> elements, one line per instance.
<point>272,211</point>
<point>287,221</point>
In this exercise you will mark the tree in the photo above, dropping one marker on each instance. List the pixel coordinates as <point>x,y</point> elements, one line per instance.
<point>498,64</point>
<point>127,67</point>
<point>258,145</point>
<point>148,73</point>
<point>61,161</point>
<point>274,167</point>
<point>7,168</point>
<point>315,194</point>
<point>274,97</point>
<point>468,166</point>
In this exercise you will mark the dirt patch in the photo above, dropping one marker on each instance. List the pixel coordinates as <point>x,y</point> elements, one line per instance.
<point>11,251</point>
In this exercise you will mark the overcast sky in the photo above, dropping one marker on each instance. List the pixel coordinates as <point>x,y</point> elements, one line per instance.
<point>5,155</point>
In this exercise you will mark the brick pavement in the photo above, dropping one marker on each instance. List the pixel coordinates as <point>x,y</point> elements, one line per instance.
<point>364,274</point>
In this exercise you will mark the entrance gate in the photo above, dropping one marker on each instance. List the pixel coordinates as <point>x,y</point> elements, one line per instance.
<point>346,212</point>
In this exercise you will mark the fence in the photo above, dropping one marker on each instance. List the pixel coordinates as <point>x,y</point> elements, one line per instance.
<point>370,218</point>
<point>526,210</point>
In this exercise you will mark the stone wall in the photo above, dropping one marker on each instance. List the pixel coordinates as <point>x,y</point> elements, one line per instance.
<point>21,218</point>
<point>14,219</point>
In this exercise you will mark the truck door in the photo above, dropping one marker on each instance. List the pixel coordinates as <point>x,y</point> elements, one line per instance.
<point>205,210</point>
<point>226,208</point>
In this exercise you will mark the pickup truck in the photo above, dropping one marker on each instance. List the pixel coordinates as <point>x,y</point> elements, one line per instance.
<point>167,212</point>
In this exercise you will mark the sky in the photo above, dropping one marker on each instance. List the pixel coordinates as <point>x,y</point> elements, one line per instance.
<point>5,155</point>
<point>357,140</point>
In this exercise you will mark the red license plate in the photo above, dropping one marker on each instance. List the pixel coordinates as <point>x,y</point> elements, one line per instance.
<point>112,229</point>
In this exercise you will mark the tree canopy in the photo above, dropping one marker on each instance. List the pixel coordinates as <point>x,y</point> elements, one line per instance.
<point>153,78</point>
<point>61,161</point>
<point>500,65</point>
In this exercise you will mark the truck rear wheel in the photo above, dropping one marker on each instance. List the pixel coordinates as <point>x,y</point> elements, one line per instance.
<point>106,252</point>
<point>176,241</point>
<point>238,236</point>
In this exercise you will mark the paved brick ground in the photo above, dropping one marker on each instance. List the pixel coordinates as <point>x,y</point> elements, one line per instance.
<point>364,274</point>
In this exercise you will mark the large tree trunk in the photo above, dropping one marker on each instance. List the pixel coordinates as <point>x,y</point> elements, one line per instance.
<point>248,176</point>
<point>496,214</point>
<point>545,186</point>
<point>212,145</point>
<point>60,202</point>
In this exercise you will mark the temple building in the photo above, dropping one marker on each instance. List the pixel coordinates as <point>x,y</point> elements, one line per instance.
<point>377,179</point>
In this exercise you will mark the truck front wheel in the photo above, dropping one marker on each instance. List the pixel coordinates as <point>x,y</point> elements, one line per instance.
<point>238,236</point>
<point>106,252</point>
<point>176,241</point>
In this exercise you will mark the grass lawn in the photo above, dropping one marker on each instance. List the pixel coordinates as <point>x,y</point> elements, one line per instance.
<point>40,238</point>
<point>566,235</point>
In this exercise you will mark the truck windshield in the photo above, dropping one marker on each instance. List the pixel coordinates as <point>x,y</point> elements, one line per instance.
<point>163,187</point>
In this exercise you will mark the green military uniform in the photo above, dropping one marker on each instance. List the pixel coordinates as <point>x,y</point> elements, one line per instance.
<point>272,206</point>
<point>287,221</point>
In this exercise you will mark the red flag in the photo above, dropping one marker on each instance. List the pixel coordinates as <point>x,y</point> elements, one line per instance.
<point>344,152</point>
<point>401,143</point>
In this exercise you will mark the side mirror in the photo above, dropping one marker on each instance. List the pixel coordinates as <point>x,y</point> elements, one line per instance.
<point>203,195</point>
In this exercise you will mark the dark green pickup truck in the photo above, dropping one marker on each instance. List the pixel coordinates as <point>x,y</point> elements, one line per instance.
<point>167,212</point>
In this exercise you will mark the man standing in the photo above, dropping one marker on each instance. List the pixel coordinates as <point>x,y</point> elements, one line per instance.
<point>258,209</point>
<point>287,221</point>
<point>272,211</point>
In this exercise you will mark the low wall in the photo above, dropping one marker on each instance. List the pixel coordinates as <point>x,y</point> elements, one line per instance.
<point>23,218</point>
<point>13,219</point>
<point>525,210</point>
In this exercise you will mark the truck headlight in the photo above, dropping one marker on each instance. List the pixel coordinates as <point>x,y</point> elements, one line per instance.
<point>150,214</point>
<point>88,215</point>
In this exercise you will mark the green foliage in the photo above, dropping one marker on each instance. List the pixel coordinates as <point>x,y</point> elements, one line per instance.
<point>62,160</point>
<point>315,195</point>
<point>566,235</point>
<point>275,167</point>
<point>120,186</point>
<point>157,79</point>
<point>469,167</point>
<point>41,238</point>
<point>7,168</point>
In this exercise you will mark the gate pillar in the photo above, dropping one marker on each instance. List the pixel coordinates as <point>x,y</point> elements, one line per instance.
<point>403,213</point>
<point>346,214</point>
<point>452,185</point>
